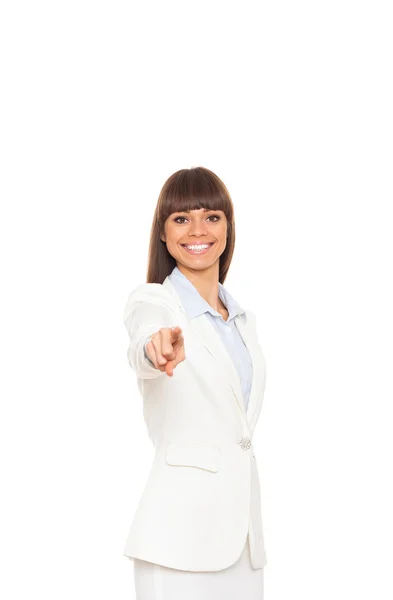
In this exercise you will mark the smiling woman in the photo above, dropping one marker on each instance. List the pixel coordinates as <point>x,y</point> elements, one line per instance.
<point>197,532</point>
<point>197,233</point>
<point>193,208</point>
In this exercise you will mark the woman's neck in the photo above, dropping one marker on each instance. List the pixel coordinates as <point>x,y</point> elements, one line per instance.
<point>206,282</point>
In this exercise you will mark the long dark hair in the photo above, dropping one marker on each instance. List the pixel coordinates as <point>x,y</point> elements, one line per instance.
<point>188,189</point>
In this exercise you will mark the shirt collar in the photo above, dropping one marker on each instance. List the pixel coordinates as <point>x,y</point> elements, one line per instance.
<point>195,305</point>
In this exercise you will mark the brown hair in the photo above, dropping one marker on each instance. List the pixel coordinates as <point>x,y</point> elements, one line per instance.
<point>188,189</point>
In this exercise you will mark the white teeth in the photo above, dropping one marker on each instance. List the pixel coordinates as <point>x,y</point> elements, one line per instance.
<point>198,247</point>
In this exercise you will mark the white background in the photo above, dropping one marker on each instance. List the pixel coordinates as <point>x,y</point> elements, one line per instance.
<point>290,103</point>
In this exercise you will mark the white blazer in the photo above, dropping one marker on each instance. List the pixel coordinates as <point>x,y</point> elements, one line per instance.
<point>202,495</point>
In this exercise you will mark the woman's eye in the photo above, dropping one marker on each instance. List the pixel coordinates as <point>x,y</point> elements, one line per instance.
<point>215,217</point>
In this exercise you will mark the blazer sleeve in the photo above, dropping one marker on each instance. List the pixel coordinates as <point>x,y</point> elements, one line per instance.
<point>145,351</point>
<point>143,316</point>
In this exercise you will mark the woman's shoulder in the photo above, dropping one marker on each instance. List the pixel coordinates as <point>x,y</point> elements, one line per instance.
<point>151,293</point>
<point>148,288</point>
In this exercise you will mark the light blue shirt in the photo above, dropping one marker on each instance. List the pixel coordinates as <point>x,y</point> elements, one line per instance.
<point>195,305</point>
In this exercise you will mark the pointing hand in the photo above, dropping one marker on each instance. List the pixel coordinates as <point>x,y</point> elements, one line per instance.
<point>166,349</point>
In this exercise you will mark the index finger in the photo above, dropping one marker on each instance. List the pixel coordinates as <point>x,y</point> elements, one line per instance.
<point>176,333</point>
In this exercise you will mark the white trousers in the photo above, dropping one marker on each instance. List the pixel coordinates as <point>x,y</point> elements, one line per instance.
<point>238,582</point>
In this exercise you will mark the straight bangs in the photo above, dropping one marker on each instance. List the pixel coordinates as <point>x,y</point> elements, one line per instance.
<point>191,189</point>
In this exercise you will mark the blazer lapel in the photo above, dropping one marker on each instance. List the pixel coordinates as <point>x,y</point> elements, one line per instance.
<point>210,338</point>
<point>207,335</point>
<point>249,335</point>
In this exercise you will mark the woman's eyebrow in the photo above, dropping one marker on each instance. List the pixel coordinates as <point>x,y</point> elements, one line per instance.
<point>188,211</point>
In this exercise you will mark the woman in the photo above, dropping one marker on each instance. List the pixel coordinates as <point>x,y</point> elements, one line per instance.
<point>197,532</point>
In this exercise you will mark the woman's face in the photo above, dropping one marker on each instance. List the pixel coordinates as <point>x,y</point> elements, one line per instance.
<point>188,233</point>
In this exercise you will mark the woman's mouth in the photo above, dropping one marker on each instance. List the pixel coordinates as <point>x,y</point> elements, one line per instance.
<point>197,248</point>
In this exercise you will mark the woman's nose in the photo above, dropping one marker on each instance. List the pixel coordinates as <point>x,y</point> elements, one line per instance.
<point>197,228</point>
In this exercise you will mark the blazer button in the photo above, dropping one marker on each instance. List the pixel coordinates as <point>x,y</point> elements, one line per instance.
<point>245,443</point>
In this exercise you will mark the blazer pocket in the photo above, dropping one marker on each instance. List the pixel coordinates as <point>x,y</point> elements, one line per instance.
<point>202,455</point>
